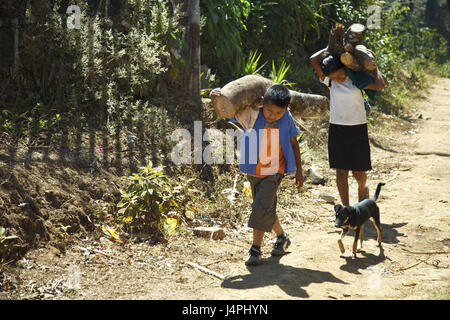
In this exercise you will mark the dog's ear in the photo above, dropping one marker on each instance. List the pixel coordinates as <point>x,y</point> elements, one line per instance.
<point>337,208</point>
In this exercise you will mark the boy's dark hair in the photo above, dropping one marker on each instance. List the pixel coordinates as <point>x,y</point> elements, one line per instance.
<point>278,95</point>
<point>331,64</point>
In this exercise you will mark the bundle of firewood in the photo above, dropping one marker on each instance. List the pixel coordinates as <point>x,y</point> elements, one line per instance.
<point>241,98</point>
<point>346,45</point>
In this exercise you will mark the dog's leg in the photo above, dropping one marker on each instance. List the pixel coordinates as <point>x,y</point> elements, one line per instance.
<point>355,242</point>
<point>377,224</point>
<point>361,235</point>
<point>378,227</point>
<point>340,244</point>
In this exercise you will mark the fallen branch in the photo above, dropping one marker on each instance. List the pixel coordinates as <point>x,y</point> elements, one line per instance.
<point>436,264</point>
<point>206,270</point>
<point>425,252</point>
<point>413,265</point>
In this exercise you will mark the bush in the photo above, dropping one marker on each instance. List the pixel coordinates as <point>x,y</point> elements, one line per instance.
<point>401,58</point>
<point>148,200</point>
<point>94,72</point>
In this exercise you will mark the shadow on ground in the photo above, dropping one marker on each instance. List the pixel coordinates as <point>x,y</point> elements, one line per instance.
<point>290,279</point>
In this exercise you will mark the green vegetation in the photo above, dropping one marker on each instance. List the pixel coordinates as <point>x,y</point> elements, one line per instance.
<point>251,65</point>
<point>122,72</point>
<point>129,53</point>
<point>411,37</point>
<point>148,199</point>
<point>91,76</point>
<point>279,74</point>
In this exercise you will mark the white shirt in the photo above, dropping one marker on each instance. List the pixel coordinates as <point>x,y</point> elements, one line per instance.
<point>346,103</point>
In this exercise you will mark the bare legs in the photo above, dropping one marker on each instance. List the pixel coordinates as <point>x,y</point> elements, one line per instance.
<point>258,235</point>
<point>342,184</point>
<point>361,178</point>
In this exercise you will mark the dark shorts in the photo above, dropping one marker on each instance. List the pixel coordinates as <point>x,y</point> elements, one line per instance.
<point>264,206</point>
<point>348,147</point>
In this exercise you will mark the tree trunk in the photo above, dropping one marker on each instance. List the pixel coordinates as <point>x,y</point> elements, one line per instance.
<point>15,24</point>
<point>7,51</point>
<point>192,71</point>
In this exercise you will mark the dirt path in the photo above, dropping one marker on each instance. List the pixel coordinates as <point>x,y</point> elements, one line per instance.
<point>413,158</point>
<point>415,215</point>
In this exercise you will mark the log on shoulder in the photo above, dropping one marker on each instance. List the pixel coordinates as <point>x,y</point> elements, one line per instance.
<point>353,36</point>
<point>242,93</point>
<point>245,93</point>
<point>361,59</point>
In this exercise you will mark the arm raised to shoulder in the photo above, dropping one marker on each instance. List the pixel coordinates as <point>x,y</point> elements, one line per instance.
<point>316,59</point>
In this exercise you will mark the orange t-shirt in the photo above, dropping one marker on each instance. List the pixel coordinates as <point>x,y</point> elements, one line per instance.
<point>270,159</point>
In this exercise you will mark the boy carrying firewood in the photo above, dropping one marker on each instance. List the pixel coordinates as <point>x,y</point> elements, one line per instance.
<point>268,152</point>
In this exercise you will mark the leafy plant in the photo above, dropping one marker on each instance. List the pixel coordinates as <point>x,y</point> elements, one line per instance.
<point>278,75</point>
<point>146,202</point>
<point>250,65</point>
<point>224,24</point>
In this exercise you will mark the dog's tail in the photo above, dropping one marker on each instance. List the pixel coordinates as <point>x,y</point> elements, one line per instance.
<point>377,192</point>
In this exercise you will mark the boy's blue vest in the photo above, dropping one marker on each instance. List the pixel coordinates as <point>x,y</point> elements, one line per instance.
<point>250,151</point>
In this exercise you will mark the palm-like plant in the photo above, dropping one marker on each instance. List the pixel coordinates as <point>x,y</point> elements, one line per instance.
<point>251,66</point>
<point>277,75</point>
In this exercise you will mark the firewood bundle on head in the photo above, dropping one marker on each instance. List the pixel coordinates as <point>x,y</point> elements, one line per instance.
<point>346,45</point>
<point>241,99</point>
<point>336,40</point>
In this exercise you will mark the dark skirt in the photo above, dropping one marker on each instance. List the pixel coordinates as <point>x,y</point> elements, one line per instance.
<point>348,147</point>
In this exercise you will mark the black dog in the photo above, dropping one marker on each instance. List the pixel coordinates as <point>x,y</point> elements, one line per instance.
<point>355,216</point>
